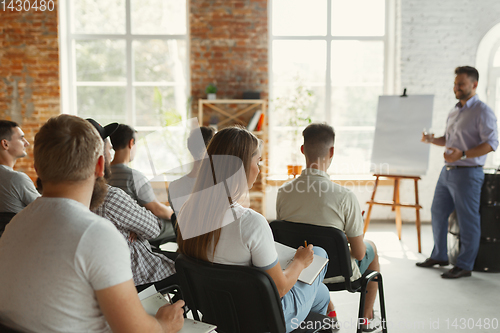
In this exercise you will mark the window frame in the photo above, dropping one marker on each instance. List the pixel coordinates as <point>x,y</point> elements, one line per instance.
<point>69,84</point>
<point>390,84</point>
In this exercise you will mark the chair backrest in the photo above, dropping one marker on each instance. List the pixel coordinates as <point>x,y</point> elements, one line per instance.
<point>5,218</point>
<point>173,220</point>
<point>332,240</point>
<point>237,299</point>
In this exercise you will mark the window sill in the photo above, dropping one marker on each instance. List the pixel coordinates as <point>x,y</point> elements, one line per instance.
<point>343,180</point>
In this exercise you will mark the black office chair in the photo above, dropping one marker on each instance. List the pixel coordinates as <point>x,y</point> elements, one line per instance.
<point>238,299</point>
<point>5,218</point>
<point>334,242</point>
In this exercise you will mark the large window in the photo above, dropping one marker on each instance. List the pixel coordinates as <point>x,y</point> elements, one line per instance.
<point>330,62</point>
<point>125,61</point>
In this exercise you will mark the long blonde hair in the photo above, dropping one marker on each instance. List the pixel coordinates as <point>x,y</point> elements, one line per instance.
<point>229,150</point>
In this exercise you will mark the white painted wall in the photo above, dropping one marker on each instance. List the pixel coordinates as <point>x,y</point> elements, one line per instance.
<point>435,37</point>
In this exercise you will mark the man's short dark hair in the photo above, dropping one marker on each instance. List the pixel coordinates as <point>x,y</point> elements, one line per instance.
<point>194,147</point>
<point>469,71</point>
<point>122,136</point>
<point>6,127</point>
<point>317,140</point>
<point>315,133</point>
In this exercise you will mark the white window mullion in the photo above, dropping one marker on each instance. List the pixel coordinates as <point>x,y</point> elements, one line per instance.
<point>389,47</point>
<point>328,83</point>
<point>130,100</point>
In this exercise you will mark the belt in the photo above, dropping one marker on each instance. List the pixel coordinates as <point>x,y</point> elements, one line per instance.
<point>452,167</point>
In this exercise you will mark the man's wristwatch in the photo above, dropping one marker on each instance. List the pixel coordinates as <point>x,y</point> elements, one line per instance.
<point>463,156</point>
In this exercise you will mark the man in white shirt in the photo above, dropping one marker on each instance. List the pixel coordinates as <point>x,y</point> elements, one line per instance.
<point>16,188</point>
<point>66,268</point>
<point>313,198</point>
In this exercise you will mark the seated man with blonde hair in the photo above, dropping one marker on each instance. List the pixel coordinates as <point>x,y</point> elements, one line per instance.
<point>62,267</point>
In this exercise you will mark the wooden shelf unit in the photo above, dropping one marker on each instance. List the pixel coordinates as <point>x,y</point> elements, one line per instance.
<point>232,111</point>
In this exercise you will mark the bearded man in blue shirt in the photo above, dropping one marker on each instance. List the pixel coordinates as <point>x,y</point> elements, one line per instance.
<point>471,133</point>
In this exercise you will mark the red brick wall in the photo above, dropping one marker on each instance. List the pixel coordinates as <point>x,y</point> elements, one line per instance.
<point>229,47</point>
<point>29,72</point>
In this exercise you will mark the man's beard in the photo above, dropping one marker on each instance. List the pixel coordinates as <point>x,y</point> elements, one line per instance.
<point>99,193</point>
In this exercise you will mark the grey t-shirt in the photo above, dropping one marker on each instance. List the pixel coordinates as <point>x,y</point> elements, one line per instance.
<point>16,190</point>
<point>133,182</point>
<point>53,256</point>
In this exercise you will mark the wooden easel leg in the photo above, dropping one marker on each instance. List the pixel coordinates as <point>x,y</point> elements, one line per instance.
<point>417,221</point>
<point>370,205</point>
<point>394,193</point>
<point>397,208</point>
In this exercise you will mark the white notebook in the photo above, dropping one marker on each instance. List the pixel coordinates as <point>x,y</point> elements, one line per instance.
<point>309,274</point>
<point>152,300</point>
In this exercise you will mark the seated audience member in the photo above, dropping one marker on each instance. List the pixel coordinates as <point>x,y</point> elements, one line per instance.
<point>313,198</point>
<point>136,224</point>
<point>182,187</point>
<point>16,188</point>
<point>211,221</point>
<point>62,267</point>
<point>133,182</point>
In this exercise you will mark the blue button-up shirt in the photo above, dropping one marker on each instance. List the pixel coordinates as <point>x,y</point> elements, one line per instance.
<point>470,125</point>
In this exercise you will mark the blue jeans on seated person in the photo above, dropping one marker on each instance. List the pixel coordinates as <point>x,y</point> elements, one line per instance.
<point>367,260</point>
<point>304,298</point>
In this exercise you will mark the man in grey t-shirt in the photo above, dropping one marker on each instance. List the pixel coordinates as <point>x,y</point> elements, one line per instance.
<point>16,188</point>
<point>133,182</point>
<point>66,268</point>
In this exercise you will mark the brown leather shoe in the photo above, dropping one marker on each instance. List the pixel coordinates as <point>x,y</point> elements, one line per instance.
<point>455,273</point>
<point>431,262</point>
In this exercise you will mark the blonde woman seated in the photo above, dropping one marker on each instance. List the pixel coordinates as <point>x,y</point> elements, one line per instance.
<point>216,225</point>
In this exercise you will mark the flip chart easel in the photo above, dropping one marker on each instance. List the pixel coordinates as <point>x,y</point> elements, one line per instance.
<point>396,204</point>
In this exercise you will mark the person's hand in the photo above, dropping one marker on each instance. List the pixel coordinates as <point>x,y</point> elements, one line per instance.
<point>452,154</point>
<point>304,255</point>
<point>171,316</point>
<point>132,237</point>
<point>427,137</point>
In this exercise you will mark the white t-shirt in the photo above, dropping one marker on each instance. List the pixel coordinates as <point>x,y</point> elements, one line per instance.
<point>313,198</point>
<point>246,242</point>
<point>53,255</point>
<point>16,190</point>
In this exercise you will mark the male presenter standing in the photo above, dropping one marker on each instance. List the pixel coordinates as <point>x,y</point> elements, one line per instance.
<point>471,133</point>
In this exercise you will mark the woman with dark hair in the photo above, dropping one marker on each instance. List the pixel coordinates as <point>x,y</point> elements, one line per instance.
<point>216,225</point>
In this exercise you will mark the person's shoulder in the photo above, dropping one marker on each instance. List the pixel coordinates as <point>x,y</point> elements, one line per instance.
<point>73,212</point>
<point>290,185</point>
<point>116,192</point>
<point>481,106</point>
<point>249,215</point>
<point>19,176</point>
<point>120,168</point>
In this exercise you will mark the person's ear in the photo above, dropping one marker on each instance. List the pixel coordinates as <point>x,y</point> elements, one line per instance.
<point>474,86</point>
<point>5,144</point>
<point>131,143</point>
<point>302,149</point>
<point>331,151</point>
<point>99,167</point>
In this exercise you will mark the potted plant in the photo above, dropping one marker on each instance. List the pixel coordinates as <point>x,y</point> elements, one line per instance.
<point>211,91</point>
<point>296,107</point>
